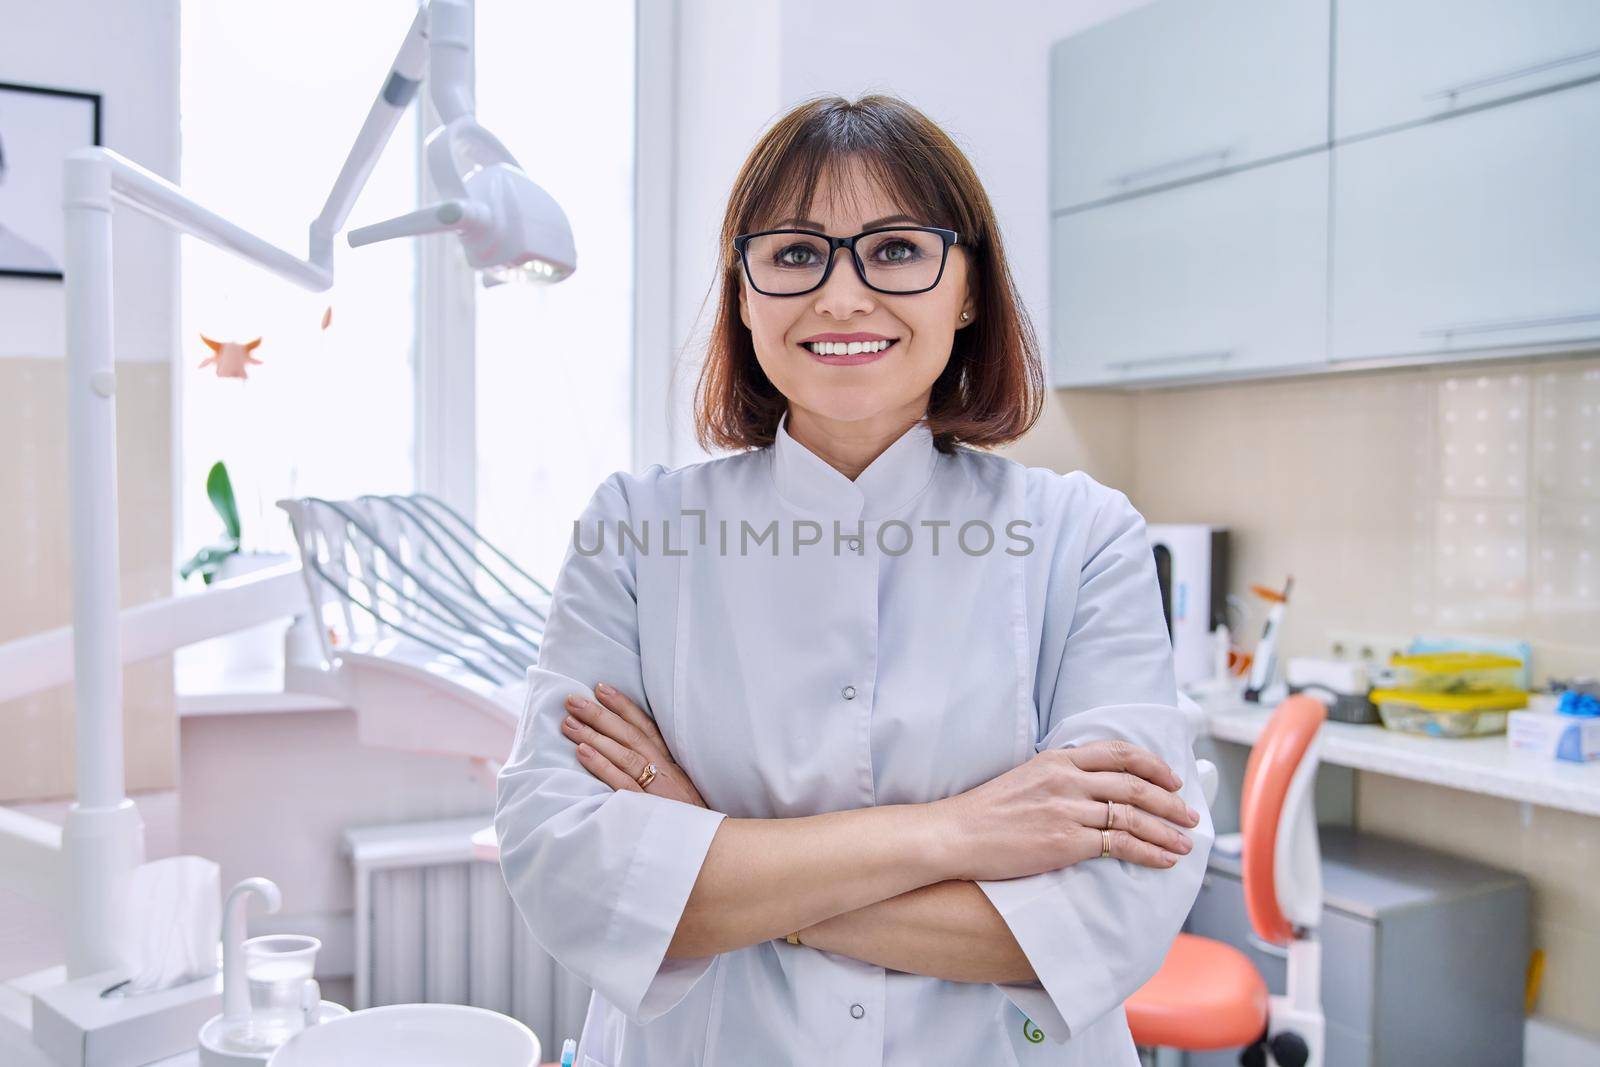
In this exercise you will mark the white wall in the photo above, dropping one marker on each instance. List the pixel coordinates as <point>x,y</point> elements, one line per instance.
<point>125,50</point>
<point>979,71</point>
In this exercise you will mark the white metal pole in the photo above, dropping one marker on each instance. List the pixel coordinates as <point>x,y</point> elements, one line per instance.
<point>103,839</point>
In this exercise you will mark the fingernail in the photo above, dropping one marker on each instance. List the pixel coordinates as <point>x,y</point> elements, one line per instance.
<point>1169,857</point>
<point>601,687</point>
<point>1184,845</point>
<point>584,750</point>
<point>1194,816</point>
<point>577,701</point>
<point>570,723</point>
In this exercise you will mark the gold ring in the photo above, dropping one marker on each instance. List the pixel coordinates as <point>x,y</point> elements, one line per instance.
<point>647,776</point>
<point>1111,815</point>
<point>1105,843</point>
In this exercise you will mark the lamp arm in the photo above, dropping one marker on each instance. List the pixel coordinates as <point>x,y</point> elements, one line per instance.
<point>437,46</point>
<point>405,76</point>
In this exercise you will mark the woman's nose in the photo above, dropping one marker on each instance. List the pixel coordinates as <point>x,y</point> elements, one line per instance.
<point>844,293</point>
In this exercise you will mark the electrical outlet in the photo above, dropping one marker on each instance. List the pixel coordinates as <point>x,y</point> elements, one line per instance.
<point>1365,646</point>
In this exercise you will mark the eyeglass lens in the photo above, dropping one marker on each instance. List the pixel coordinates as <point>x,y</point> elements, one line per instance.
<point>897,261</point>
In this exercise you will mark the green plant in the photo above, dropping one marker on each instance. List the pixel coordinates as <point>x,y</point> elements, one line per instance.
<point>209,560</point>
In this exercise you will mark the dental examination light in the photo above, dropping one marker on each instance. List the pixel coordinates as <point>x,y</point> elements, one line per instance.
<point>508,227</point>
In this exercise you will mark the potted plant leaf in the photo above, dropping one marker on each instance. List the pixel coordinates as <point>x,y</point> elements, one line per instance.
<point>208,562</point>
<point>246,650</point>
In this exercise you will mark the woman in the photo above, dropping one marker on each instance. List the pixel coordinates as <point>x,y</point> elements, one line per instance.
<point>856,746</point>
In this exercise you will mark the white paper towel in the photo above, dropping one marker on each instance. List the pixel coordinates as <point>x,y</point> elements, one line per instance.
<point>173,923</point>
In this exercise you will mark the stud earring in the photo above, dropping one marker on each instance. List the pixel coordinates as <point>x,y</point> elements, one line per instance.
<point>965,316</point>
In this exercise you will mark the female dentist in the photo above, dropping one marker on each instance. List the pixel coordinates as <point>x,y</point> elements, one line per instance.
<point>858,746</point>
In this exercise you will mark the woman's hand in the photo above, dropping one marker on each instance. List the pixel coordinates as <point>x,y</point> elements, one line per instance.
<point>1049,812</point>
<point>616,741</point>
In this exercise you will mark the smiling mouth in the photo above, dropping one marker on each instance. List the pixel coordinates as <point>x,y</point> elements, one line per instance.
<point>843,348</point>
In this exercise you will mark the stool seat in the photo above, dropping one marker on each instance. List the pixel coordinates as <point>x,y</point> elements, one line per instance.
<point>1207,995</point>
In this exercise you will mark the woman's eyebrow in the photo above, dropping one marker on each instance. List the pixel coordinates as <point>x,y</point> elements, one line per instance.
<point>812,224</point>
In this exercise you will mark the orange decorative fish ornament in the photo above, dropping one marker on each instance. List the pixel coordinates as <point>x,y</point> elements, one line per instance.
<point>230,357</point>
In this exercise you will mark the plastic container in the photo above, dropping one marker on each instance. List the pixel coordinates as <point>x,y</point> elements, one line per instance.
<point>1435,714</point>
<point>1454,672</point>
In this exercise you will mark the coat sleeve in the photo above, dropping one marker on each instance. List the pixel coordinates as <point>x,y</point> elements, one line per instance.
<point>1097,931</point>
<point>600,877</point>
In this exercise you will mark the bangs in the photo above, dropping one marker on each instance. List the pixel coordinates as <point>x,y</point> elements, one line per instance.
<point>798,172</point>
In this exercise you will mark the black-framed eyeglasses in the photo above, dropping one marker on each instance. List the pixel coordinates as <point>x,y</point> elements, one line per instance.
<point>898,260</point>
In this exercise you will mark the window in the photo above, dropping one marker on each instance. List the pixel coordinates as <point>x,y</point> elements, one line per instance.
<point>555,82</point>
<point>271,98</point>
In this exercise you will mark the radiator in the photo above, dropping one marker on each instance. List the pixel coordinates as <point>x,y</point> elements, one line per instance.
<point>435,925</point>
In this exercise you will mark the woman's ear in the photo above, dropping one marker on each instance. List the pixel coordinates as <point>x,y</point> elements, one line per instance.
<point>744,310</point>
<point>969,307</point>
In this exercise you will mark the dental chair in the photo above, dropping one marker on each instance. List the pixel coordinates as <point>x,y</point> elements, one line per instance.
<point>1207,994</point>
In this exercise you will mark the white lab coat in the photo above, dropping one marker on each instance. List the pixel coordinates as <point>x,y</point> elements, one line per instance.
<point>793,678</point>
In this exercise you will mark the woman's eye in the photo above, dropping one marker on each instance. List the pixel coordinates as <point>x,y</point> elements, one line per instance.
<point>898,251</point>
<point>796,256</point>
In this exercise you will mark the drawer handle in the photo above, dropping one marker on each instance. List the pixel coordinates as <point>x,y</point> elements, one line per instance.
<point>1183,357</point>
<point>1492,325</point>
<point>1512,75</point>
<point>1219,155</point>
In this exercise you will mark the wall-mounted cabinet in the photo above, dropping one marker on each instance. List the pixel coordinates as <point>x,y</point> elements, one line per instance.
<point>1215,277</point>
<point>1402,61</point>
<point>1175,91</point>
<point>1480,232</point>
<point>1454,212</point>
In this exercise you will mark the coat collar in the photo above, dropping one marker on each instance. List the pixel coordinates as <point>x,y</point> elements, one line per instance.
<point>898,474</point>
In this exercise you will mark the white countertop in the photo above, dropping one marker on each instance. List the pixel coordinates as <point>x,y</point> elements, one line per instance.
<point>1486,765</point>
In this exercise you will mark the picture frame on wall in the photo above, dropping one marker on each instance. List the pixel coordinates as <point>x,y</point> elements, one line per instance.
<point>39,125</point>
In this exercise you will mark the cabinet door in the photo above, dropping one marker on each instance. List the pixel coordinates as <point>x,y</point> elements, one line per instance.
<point>1205,280</point>
<point>1478,233</point>
<point>1400,61</point>
<point>1180,89</point>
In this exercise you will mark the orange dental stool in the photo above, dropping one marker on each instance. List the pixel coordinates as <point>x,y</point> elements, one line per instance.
<point>1207,994</point>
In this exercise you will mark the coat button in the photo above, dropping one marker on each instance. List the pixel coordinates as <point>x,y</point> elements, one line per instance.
<point>857,1011</point>
<point>849,692</point>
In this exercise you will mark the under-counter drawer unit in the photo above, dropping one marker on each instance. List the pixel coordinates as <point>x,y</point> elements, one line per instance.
<point>1213,278</point>
<point>1476,232</point>
<point>1424,955</point>
<point>1401,61</point>
<point>1173,91</point>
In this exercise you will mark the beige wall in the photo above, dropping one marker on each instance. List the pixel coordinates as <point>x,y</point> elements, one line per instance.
<point>1461,498</point>
<point>36,758</point>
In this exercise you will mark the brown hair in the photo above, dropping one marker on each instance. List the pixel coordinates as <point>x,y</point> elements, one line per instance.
<point>992,389</point>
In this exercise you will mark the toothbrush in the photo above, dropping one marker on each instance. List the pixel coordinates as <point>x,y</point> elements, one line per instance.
<point>569,1052</point>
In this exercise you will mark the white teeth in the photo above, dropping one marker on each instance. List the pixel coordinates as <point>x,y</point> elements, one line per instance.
<point>840,348</point>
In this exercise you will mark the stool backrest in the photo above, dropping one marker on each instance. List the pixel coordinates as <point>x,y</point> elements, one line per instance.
<point>1281,860</point>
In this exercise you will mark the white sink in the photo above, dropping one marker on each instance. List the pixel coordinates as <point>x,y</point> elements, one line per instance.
<point>412,1035</point>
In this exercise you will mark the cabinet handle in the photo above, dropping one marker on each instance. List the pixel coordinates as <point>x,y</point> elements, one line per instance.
<point>1183,357</point>
<point>1492,325</point>
<point>1220,155</point>
<point>1511,75</point>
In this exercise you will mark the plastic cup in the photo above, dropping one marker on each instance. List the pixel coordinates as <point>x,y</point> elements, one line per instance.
<point>278,968</point>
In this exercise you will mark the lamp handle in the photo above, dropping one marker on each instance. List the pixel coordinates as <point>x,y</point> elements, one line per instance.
<point>445,216</point>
